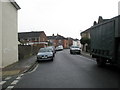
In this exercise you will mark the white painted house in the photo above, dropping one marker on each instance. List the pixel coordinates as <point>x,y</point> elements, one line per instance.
<point>8,32</point>
<point>76,42</point>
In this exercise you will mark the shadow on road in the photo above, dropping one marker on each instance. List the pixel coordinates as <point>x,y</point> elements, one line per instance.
<point>49,61</point>
<point>112,68</point>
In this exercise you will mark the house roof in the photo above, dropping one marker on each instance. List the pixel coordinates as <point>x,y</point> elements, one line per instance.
<point>15,4</point>
<point>24,35</point>
<point>57,37</point>
<point>88,30</point>
<point>76,39</point>
<point>51,37</point>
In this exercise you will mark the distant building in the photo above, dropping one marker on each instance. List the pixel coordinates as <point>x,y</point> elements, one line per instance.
<point>37,38</point>
<point>59,40</point>
<point>70,41</point>
<point>85,33</point>
<point>56,40</point>
<point>76,42</point>
<point>8,32</point>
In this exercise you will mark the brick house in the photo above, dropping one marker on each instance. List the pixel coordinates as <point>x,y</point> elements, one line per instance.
<point>56,40</point>
<point>35,38</point>
<point>59,40</point>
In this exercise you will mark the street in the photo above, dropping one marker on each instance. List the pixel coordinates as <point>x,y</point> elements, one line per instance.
<point>69,71</point>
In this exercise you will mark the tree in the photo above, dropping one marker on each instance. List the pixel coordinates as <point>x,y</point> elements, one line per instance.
<point>85,40</point>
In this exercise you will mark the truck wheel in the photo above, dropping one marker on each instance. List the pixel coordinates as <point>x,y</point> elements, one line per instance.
<point>101,62</point>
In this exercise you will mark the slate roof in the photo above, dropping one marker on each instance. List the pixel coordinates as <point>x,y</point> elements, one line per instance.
<point>25,35</point>
<point>51,37</point>
<point>57,37</point>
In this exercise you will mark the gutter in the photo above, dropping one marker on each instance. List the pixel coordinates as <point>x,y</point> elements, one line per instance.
<point>15,4</point>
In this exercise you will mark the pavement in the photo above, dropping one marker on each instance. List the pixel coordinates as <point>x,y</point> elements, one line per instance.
<point>19,67</point>
<point>86,54</point>
<point>24,65</point>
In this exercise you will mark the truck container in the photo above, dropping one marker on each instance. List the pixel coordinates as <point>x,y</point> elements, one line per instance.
<point>105,42</point>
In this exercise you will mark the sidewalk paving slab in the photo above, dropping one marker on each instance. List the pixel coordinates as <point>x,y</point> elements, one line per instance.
<point>18,67</point>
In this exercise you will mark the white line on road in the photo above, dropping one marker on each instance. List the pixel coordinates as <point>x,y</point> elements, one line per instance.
<point>14,82</point>
<point>21,75</point>
<point>10,87</point>
<point>34,69</point>
<point>7,78</point>
<point>18,78</point>
<point>2,82</point>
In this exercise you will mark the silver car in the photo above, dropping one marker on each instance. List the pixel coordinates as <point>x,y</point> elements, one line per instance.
<point>45,54</point>
<point>75,49</point>
<point>59,48</point>
<point>52,48</point>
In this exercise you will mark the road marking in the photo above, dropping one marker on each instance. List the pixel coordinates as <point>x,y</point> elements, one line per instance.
<point>7,78</point>
<point>34,69</point>
<point>18,78</point>
<point>2,82</point>
<point>21,75</point>
<point>14,82</point>
<point>9,87</point>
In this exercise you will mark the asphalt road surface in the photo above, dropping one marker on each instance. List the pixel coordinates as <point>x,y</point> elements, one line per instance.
<point>69,71</point>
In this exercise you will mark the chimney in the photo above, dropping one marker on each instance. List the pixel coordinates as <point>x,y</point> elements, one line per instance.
<point>53,35</point>
<point>94,23</point>
<point>100,19</point>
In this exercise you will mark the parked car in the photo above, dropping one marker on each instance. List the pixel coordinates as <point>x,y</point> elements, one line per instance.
<point>59,48</point>
<point>52,48</point>
<point>45,54</point>
<point>75,49</point>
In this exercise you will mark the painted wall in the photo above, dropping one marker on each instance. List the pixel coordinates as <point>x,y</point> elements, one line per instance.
<point>9,29</point>
<point>119,8</point>
<point>77,43</point>
<point>0,34</point>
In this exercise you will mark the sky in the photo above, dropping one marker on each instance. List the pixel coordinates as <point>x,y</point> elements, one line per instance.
<point>65,17</point>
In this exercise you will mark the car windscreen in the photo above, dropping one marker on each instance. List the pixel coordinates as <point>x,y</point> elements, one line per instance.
<point>50,49</point>
<point>44,50</point>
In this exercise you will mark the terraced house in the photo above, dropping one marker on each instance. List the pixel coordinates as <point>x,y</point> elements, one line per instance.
<point>8,32</point>
<point>57,40</point>
<point>35,38</point>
